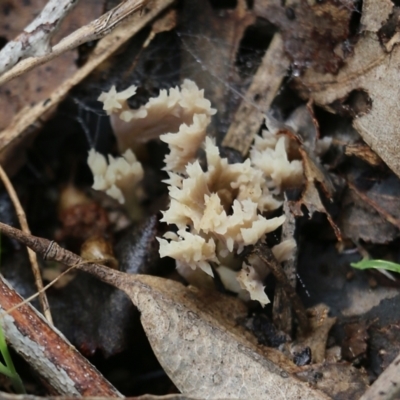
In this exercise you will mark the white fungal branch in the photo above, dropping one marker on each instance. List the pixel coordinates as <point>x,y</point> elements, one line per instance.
<point>217,210</point>
<point>36,37</point>
<point>119,177</point>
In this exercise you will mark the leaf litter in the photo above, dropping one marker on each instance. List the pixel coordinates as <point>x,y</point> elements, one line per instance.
<point>359,105</point>
<point>175,316</point>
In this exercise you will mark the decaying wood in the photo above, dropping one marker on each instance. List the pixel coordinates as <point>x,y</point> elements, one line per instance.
<point>34,41</point>
<point>31,254</point>
<point>26,120</point>
<point>93,31</point>
<point>387,386</point>
<point>48,351</point>
<point>266,255</point>
<point>263,89</point>
<point>194,335</point>
<point>281,311</point>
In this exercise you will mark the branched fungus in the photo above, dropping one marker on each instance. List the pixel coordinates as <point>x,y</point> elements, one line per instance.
<point>219,210</point>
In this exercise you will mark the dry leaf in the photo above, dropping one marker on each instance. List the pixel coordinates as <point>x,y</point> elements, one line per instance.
<point>378,189</point>
<point>375,13</point>
<point>213,358</point>
<point>370,76</point>
<point>311,30</point>
<point>359,220</point>
<point>363,152</point>
<point>196,339</point>
<point>355,343</point>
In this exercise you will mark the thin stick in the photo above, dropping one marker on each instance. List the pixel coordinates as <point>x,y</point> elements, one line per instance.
<point>263,89</point>
<point>30,298</point>
<point>48,352</point>
<point>31,254</point>
<point>28,118</point>
<point>50,250</point>
<point>35,38</point>
<point>49,285</point>
<point>95,30</point>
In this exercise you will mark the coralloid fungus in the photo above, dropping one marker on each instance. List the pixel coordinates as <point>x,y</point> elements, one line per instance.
<point>219,210</point>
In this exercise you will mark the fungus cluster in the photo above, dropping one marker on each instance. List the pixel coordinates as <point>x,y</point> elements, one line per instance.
<point>217,210</point>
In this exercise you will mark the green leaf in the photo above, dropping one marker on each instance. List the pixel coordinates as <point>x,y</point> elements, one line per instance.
<point>9,369</point>
<point>377,264</point>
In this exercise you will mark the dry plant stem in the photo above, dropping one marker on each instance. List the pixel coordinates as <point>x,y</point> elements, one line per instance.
<point>26,120</point>
<point>31,254</point>
<point>34,41</point>
<point>266,255</point>
<point>387,386</point>
<point>93,31</point>
<point>49,285</point>
<point>281,311</point>
<point>264,87</point>
<point>47,350</point>
<point>50,250</point>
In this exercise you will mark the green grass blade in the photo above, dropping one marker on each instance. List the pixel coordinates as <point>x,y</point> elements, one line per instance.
<point>9,369</point>
<point>377,264</point>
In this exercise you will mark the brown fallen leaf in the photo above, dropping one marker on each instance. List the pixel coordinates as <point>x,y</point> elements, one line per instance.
<point>370,72</point>
<point>311,31</point>
<point>378,189</point>
<point>359,220</point>
<point>375,14</point>
<point>355,343</point>
<point>363,152</point>
<point>311,197</point>
<point>195,337</point>
<point>302,128</point>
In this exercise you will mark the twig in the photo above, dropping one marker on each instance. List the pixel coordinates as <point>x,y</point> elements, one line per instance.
<point>281,311</point>
<point>266,255</point>
<point>49,285</point>
<point>48,352</point>
<point>93,31</point>
<point>31,254</point>
<point>387,386</point>
<point>36,37</point>
<point>264,87</point>
<point>27,119</point>
<point>50,250</point>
